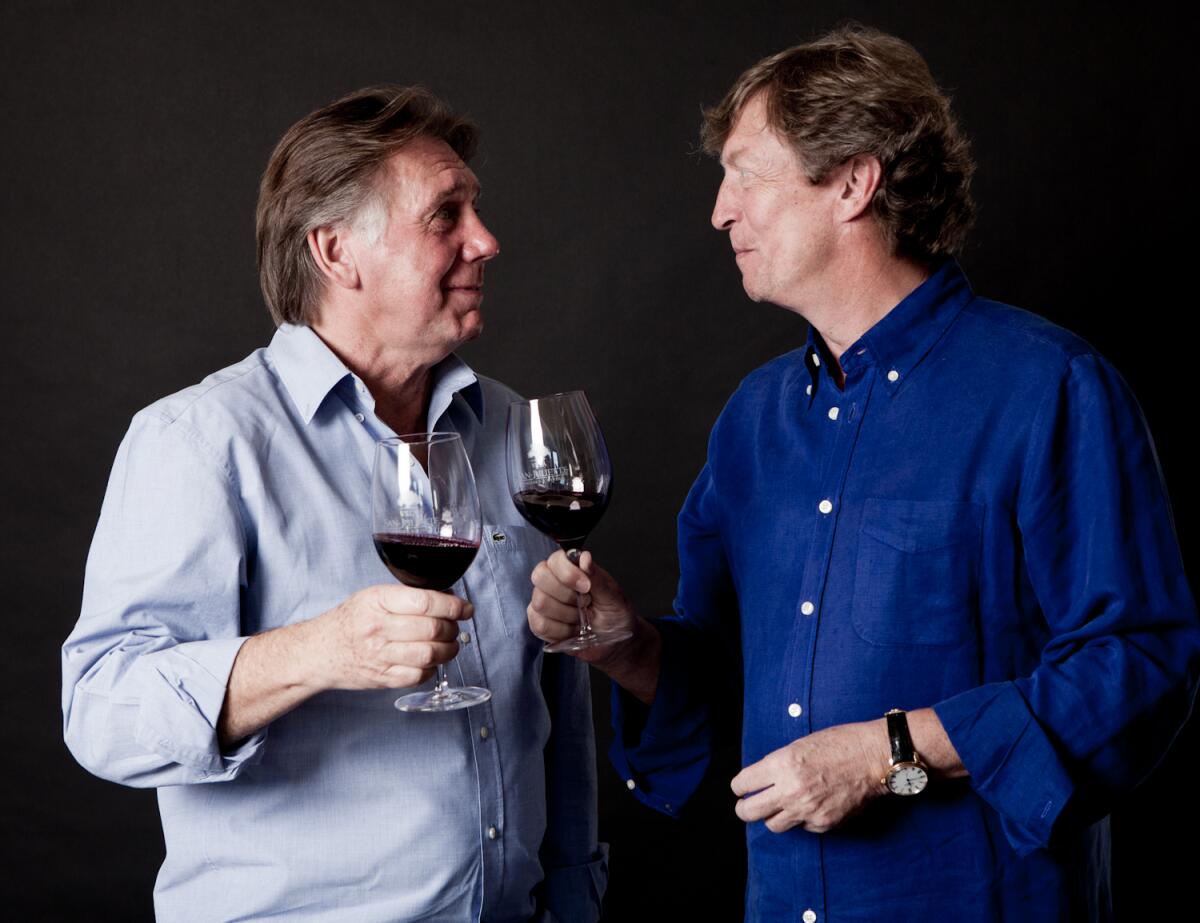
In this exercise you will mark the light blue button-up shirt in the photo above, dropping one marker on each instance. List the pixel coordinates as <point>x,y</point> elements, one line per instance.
<point>240,505</point>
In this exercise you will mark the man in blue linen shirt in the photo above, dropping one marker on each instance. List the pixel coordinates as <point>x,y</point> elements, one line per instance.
<point>940,505</point>
<point>240,640</point>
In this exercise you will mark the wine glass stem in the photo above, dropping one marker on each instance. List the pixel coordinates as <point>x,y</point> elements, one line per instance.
<point>585,626</point>
<point>442,683</point>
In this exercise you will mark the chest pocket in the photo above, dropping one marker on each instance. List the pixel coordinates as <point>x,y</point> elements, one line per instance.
<point>512,551</point>
<point>917,576</point>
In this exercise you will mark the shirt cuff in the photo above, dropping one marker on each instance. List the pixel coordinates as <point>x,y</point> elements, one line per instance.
<point>575,892</point>
<point>1013,764</point>
<point>662,751</point>
<point>180,722</point>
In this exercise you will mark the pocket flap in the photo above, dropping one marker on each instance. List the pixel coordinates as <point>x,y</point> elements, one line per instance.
<point>921,525</point>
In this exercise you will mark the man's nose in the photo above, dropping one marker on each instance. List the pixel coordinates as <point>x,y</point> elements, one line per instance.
<point>724,212</point>
<point>480,244</point>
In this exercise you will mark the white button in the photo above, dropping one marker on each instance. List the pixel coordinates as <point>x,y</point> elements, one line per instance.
<point>860,352</point>
<point>795,710</point>
<point>809,917</point>
<point>359,417</point>
<point>833,412</point>
<point>464,637</point>
<point>668,807</point>
<point>483,732</point>
<point>816,359</point>
<point>825,506</point>
<point>806,607</point>
<point>493,833</point>
<point>893,375</point>
<point>630,784</point>
<point>808,389</point>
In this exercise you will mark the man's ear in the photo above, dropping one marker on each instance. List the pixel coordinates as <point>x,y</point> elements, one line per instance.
<point>859,178</point>
<point>333,258</point>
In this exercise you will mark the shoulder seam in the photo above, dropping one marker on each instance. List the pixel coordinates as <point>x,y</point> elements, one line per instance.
<point>1082,346</point>
<point>155,411</point>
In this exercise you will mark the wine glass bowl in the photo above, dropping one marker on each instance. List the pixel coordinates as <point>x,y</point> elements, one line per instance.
<point>426,526</point>
<point>560,478</point>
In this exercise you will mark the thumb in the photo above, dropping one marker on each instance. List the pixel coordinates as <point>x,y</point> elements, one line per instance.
<point>585,562</point>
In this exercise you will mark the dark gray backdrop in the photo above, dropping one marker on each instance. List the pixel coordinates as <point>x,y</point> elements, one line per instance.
<point>134,136</point>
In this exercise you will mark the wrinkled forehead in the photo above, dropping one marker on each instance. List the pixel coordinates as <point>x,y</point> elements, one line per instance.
<point>751,135</point>
<point>428,168</point>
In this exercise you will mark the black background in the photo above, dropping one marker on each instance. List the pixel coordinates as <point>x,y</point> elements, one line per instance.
<point>134,137</point>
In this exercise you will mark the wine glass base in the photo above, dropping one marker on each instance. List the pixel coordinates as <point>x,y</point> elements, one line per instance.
<point>446,700</point>
<point>587,640</point>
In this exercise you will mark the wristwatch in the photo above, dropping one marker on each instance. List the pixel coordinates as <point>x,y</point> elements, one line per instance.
<point>906,775</point>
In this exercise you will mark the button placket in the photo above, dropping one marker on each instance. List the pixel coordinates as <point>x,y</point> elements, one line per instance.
<point>483,733</point>
<point>837,452</point>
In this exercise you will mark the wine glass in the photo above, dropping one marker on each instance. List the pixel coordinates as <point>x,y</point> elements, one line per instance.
<point>560,477</point>
<point>426,525</point>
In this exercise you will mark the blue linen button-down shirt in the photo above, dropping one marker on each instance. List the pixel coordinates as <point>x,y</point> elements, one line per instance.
<point>976,523</point>
<point>243,504</point>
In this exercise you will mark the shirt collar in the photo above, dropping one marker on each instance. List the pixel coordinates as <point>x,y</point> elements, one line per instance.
<point>902,337</point>
<point>310,370</point>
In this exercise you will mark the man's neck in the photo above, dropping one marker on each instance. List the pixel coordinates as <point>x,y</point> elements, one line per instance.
<point>865,291</point>
<point>400,383</point>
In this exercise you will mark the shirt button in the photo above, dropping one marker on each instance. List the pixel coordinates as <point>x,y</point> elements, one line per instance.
<point>493,833</point>
<point>808,390</point>
<point>464,637</point>
<point>825,506</point>
<point>806,607</point>
<point>893,375</point>
<point>483,732</point>
<point>816,358</point>
<point>810,916</point>
<point>630,784</point>
<point>359,417</point>
<point>833,412</point>
<point>795,710</point>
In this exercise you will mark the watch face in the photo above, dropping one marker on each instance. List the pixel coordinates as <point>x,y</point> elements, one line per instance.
<point>907,779</point>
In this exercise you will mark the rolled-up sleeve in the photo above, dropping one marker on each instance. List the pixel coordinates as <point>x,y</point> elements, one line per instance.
<point>146,667</point>
<point>1117,678</point>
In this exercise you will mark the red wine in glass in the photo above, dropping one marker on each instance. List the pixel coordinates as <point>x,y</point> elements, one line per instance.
<point>426,527</point>
<point>560,477</point>
<point>424,561</point>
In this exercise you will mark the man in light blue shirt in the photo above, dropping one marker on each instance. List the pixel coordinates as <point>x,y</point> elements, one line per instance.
<point>240,640</point>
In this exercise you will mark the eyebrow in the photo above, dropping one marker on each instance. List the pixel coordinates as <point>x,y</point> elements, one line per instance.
<point>728,159</point>
<point>460,186</point>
